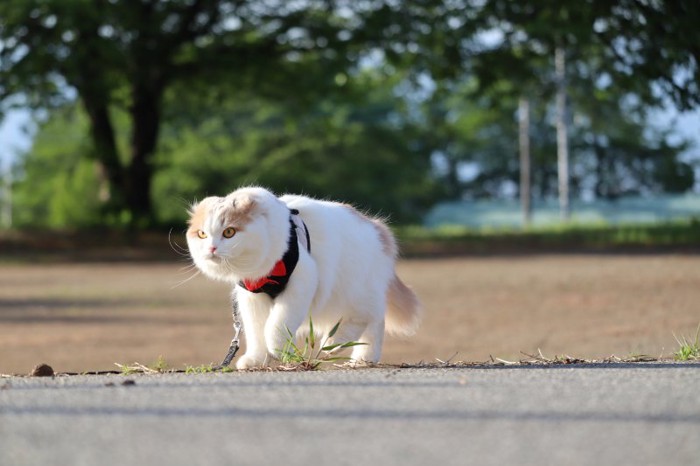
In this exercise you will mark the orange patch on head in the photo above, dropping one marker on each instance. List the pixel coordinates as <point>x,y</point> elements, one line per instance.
<point>239,211</point>
<point>198,214</point>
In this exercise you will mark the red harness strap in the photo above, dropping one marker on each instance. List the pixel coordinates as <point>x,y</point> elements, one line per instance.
<point>280,270</point>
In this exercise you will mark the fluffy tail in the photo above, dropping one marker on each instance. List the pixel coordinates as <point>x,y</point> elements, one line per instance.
<point>404,313</point>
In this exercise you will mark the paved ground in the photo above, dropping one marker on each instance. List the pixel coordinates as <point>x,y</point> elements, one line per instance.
<point>607,414</point>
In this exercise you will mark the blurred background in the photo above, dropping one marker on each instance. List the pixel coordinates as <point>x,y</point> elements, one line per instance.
<point>478,127</point>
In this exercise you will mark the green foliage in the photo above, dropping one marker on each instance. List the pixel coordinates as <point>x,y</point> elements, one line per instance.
<point>384,104</point>
<point>117,55</point>
<point>126,369</point>
<point>308,357</point>
<point>614,148</point>
<point>563,237</point>
<point>343,147</point>
<point>688,350</point>
<point>58,185</point>
<point>160,365</point>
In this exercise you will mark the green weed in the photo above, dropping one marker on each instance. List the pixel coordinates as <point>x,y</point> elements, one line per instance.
<point>160,365</point>
<point>688,350</point>
<point>312,354</point>
<point>126,369</point>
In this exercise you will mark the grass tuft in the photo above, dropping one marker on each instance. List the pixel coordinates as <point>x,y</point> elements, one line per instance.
<point>688,350</point>
<point>310,356</point>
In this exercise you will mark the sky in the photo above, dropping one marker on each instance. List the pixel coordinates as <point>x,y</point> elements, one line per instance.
<point>13,138</point>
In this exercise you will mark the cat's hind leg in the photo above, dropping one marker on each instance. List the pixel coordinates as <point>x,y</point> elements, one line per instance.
<point>373,336</point>
<point>347,331</point>
<point>369,307</point>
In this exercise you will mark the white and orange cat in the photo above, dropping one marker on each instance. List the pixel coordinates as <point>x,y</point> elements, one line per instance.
<point>293,256</point>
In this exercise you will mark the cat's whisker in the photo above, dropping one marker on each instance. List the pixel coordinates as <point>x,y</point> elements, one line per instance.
<point>189,266</point>
<point>185,280</point>
<point>240,266</point>
<point>180,250</point>
<point>183,255</point>
<point>187,269</point>
<point>176,247</point>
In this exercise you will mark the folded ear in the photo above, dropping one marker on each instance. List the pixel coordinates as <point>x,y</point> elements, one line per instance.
<point>240,210</point>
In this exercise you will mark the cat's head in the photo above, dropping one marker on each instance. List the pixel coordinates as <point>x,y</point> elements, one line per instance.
<point>239,236</point>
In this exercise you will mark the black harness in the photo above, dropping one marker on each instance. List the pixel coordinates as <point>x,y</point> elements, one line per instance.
<point>276,281</point>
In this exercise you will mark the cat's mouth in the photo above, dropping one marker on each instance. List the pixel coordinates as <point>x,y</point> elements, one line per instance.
<point>213,258</point>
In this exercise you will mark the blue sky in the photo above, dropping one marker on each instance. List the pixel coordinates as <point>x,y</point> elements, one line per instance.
<point>13,138</point>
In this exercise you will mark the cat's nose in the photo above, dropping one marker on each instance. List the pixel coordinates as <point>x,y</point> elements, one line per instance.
<point>212,249</point>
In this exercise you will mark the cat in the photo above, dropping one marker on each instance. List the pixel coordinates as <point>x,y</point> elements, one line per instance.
<point>293,257</point>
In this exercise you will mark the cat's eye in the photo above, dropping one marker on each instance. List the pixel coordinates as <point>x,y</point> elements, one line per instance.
<point>229,232</point>
<point>201,234</point>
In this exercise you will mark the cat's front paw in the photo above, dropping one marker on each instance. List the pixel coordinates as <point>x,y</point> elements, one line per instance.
<point>248,362</point>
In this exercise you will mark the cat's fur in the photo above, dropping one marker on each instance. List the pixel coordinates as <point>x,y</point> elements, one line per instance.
<point>349,273</point>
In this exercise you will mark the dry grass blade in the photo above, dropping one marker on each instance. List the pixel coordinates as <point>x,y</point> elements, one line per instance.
<point>448,360</point>
<point>158,367</point>
<point>501,362</point>
<point>301,367</point>
<point>134,368</point>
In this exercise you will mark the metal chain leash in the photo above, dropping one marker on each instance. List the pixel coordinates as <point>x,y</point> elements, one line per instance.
<point>235,343</point>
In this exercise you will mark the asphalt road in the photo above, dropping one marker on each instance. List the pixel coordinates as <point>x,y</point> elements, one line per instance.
<point>621,414</point>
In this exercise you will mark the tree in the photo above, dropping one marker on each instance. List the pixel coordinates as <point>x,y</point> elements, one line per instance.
<point>58,186</point>
<point>129,55</point>
<point>654,43</point>
<point>145,58</point>
<point>356,145</point>
<point>644,45</point>
<point>378,161</point>
<point>620,153</point>
<point>628,47</point>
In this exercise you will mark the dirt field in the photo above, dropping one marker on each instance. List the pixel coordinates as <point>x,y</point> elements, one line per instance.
<point>80,317</point>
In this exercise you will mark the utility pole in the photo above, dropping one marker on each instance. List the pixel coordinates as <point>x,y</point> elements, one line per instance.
<point>524,150</point>
<point>562,138</point>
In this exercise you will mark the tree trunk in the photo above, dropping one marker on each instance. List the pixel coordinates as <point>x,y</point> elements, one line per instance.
<point>524,149</point>
<point>562,138</point>
<point>105,145</point>
<point>145,118</point>
<point>599,170</point>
